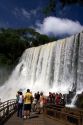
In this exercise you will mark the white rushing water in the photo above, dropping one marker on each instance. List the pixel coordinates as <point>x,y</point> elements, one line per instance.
<point>56,67</point>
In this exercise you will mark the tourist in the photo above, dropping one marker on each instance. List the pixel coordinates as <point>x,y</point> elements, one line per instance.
<point>41,100</point>
<point>57,99</point>
<point>62,102</point>
<point>17,96</point>
<point>19,104</point>
<point>37,96</point>
<point>27,103</point>
<point>34,103</point>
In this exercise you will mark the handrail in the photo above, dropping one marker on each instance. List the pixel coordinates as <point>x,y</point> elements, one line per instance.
<point>6,109</point>
<point>70,116</point>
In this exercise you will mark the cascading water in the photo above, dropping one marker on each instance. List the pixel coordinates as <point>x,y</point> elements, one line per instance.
<point>56,67</point>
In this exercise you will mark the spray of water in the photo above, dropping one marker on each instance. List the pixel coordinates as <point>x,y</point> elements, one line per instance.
<point>50,67</point>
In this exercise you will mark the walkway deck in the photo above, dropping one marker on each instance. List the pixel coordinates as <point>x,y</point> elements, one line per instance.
<point>35,119</point>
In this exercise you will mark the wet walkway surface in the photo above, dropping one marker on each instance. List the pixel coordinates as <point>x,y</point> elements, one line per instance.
<point>35,119</point>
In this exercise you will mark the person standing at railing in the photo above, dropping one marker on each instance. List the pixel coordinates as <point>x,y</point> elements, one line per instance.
<point>27,103</point>
<point>34,103</point>
<point>17,96</point>
<point>57,99</point>
<point>20,104</point>
<point>41,102</point>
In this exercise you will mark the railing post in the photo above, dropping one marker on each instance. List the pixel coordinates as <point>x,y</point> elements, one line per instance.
<point>7,111</point>
<point>7,108</point>
<point>3,110</point>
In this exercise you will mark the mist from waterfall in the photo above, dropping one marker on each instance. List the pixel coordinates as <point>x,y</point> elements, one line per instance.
<point>54,67</point>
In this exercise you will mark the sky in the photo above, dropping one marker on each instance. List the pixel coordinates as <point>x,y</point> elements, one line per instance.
<point>28,13</point>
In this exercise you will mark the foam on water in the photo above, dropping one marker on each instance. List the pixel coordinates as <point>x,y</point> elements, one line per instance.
<point>55,67</point>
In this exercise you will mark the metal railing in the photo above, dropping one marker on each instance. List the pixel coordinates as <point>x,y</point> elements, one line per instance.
<point>6,109</point>
<point>68,116</point>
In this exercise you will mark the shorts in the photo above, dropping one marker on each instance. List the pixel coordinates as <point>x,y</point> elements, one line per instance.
<point>27,107</point>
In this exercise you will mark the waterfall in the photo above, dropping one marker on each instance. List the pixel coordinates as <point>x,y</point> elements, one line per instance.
<point>55,67</point>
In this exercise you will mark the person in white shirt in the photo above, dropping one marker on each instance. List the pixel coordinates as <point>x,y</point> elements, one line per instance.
<point>20,104</point>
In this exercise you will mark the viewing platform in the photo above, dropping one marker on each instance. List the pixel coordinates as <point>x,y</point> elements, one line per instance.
<point>52,115</point>
<point>35,119</point>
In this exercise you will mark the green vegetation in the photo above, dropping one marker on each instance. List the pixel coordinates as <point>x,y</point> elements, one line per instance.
<point>14,41</point>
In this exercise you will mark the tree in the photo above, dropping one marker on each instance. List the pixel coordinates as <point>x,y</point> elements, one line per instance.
<point>14,41</point>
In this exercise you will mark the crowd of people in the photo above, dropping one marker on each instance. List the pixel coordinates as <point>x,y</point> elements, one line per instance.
<point>56,98</point>
<point>27,103</point>
<point>35,103</point>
